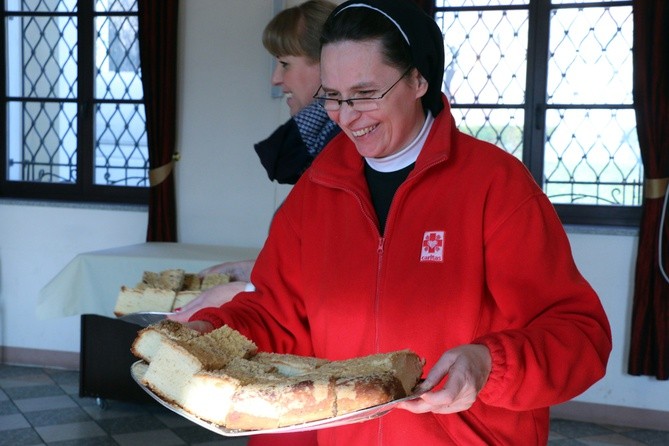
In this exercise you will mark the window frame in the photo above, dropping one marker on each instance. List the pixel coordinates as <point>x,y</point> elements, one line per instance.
<point>84,190</point>
<point>535,106</point>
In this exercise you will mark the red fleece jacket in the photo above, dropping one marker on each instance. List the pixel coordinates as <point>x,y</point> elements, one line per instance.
<point>473,252</point>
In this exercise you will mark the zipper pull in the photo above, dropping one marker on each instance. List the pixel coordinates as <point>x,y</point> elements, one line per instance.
<point>379,249</point>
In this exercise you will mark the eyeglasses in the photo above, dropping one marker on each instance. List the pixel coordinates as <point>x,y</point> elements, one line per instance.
<point>359,102</point>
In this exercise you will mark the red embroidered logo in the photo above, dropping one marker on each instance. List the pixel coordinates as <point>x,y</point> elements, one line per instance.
<point>432,249</point>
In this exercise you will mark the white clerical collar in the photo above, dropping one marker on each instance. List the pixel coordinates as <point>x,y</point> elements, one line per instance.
<point>407,155</point>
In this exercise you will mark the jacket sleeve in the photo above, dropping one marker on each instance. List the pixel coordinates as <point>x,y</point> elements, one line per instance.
<point>284,155</point>
<point>289,151</point>
<point>273,315</point>
<point>565,339</point>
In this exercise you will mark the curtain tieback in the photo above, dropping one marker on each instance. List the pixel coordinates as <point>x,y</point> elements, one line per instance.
<point>160,174</point>
<point>655,187</point>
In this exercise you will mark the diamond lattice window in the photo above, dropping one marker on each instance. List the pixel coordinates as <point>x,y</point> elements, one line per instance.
<point>75,120</point>
<point>551,83</point>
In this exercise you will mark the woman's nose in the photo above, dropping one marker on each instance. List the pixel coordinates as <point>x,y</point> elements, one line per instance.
<point>277,75</point>
<point>347,114</point>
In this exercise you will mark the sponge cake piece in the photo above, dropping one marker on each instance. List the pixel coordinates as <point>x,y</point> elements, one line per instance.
<point>175,361</point>
<point>222,379</point>
<point>134,300</point>
<point>215,279</point>
<point>148,339</point>
<point>183,297</point>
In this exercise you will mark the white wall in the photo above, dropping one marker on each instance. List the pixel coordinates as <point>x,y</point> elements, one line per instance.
<point>36,242</point>
<point>608,262</point>
<point>225,107</point>
<point>224,197</point>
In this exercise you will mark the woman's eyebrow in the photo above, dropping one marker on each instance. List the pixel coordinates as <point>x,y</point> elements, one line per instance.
<point>359,86</point>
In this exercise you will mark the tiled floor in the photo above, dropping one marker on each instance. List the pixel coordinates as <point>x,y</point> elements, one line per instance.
<point>42,407</point>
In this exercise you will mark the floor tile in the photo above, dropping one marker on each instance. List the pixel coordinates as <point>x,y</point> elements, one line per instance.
<point>93,441</point>
<point>609,440</point>
<point>57,417</point>
<point>8,407</point>
<point>22,392</point>
<point>649,437</point>
<point>164,437</point>
<point>125,425</point>
<point>42,407</point>
<point>13,421</point>
<point>69,431</point>
<point>45,403</point>
<point>20,437</point>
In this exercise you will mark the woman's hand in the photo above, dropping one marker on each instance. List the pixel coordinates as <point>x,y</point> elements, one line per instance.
<point>238,271</point>
<point>467,367</point>
<point>213,297</point>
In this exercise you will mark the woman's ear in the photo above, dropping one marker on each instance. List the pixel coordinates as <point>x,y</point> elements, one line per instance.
<point>421,84</point>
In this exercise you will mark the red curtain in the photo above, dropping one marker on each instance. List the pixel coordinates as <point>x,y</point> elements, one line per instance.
<point>157,32</point>
<point>649,349</point>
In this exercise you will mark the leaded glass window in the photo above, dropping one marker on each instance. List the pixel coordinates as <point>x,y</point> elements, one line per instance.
<point>74,113</point>
<point>551,83</point>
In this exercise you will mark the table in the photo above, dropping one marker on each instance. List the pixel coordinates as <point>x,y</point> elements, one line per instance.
<point>89,286</point>
<point>90,283</point>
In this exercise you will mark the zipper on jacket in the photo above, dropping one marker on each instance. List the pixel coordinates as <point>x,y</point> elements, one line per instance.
<point>377,296</point>
<point>377,304</point>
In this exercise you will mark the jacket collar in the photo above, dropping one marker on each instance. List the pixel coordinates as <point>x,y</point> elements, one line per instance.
<point>340,164</point>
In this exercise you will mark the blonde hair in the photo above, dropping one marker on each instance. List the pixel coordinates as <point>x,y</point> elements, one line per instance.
<point>296,31</point>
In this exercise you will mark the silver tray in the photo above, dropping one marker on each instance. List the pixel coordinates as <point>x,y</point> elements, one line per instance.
<point>144,318</point>
<point>350,418</point>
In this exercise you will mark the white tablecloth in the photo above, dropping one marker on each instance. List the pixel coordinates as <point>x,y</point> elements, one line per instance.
<point>90,283</point>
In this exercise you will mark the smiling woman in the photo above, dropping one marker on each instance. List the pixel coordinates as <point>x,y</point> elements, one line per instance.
<point>397,116</point>
<point>407,234</point>
<point>292,37</point>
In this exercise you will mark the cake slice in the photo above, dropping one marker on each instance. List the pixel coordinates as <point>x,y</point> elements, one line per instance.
<point>178,358</point>
<point>232,342</point>
<point>308,397</point>
<point>172,279</point>
<point>158,300</point>
<point>135,300</point>
<point>210,393</point>
<point>254,403</point>
<point>290,365</point>
<point>375,379</point>
<point>405,365</point>
<point>128,301</point>
<point>221,378</point>
<point>192,282</point>
<point>183,297</point>
<point>148,339</point>
<point>215,279</point>
<point>212,350</point>
<point>170,370</point>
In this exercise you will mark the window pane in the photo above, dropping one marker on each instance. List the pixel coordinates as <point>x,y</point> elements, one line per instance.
<point>74,108</point>
<point>458,3</point>
<point>41,5</point>
<point>117,59</point>
<point>562,2</point>
<point>592,157</point>
<point>42,142</point>
<point>44,65</point>
<point>121,152</point>
<point>590,56</point>
<point>502,127</point>
<point>116,5</point>
<point>486,55</point>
